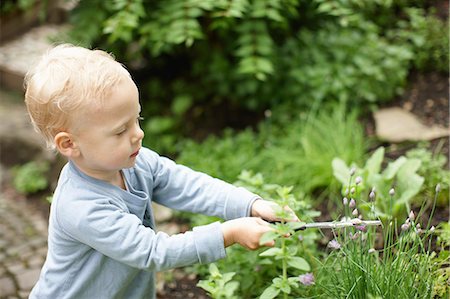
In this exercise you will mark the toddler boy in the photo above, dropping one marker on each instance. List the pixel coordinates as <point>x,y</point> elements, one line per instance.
<point>102,239</point>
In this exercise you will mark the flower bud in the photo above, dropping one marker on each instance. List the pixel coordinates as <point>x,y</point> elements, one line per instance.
<point>411,215</point>
<point>333,244</point>
<point>355,212</point>
<point>372,195</point>
<point>354,236</point>
<point>438,188</point>
<point>352,203</point>
<point>345,201</point>
<point>372,250</point>
<point>362,228</point>
<point>358,180</point>
<point>392,192</point>
<point>405,226</point>
<point>346,192</point>
<point>352,171</point>
<point>352,190</point>
<point>432,229</point>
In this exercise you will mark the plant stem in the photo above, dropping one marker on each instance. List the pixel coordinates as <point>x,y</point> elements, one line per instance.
<point>283,248</point>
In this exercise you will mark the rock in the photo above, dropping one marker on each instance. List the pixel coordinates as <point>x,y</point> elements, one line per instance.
<point>398,125</point>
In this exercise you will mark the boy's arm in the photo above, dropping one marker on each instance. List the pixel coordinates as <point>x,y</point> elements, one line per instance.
<point>182,188</point>
<point>121,236</point>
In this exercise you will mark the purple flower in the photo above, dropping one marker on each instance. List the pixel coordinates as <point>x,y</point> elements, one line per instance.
<point>333,244</point>
<point>307,279</point>
<point>362,228</point>
<point>358,180</point>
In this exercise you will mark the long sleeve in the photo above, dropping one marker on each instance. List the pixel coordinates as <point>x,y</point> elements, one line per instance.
<point>182,188</point>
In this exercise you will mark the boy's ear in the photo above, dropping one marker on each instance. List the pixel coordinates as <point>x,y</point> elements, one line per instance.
<point>66,145</point>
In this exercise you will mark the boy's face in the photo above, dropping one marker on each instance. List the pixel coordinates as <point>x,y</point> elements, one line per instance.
<point>109,136</point>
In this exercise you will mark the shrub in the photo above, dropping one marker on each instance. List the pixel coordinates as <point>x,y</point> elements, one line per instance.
<point>296,152</point>
<point>30,177</point>
<point>255,53</point>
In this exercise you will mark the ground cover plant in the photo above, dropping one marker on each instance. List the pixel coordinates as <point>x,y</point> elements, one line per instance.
<point>361,262</point>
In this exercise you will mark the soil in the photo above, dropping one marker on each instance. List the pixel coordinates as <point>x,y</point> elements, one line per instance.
<point>427,97</point>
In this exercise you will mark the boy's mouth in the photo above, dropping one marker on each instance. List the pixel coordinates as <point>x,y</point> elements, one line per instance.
<point>134,154</point>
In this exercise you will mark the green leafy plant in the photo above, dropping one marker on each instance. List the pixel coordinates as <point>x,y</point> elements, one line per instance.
<point>252,271</point>
<point>218,285</point>
<point>284,283</point>
<point>31,177</point>
<point>433,168</point>
<point>8,6</point>
<point>441,262</point>
<point>252,53</point>
<point>401,173</point>
<point>296,152</point>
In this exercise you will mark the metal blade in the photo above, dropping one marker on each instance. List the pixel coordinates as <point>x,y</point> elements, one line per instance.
<point>338,224</point>
<point>341,224</point>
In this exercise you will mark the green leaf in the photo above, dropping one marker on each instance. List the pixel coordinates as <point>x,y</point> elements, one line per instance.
<point>408,181</point>
<point>299,263</point>
<point>269,293</point>
<point>295,225</point>
<point>271,252</point>
<point>181,104</point>
<point>340,171</point>
<point>213,270</point>
<point>393,167</point>
<point>268,237</point>
<point>373,164</point>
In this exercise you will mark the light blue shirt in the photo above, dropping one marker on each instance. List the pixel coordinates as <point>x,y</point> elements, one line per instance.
<point>102,239</point>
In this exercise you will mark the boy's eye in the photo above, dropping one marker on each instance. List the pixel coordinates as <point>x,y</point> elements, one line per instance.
<point>121,132</point>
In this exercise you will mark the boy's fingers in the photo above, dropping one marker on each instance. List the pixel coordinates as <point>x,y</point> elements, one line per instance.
<point>262,222</point>
<point>270,243</point>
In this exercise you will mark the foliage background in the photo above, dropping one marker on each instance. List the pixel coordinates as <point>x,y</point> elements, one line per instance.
<point>197,59</point>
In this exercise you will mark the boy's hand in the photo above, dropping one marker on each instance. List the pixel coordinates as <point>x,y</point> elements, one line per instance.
<point>245,231</point>
<point>265,209</point>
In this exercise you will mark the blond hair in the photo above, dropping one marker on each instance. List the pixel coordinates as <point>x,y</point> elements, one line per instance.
<point>66,80</point>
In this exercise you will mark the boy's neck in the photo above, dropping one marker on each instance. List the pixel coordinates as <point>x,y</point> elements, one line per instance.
<point>114,178</point>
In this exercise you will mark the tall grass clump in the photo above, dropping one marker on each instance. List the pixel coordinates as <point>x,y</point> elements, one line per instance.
<point>394,262</point>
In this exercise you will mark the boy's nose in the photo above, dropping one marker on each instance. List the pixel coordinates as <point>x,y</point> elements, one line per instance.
<point>138,135</point>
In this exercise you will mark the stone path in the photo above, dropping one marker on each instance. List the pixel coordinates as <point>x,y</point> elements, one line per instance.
<point>23,247</point>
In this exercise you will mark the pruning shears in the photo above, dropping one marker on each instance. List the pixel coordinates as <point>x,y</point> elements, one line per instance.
<point>337,224</point>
